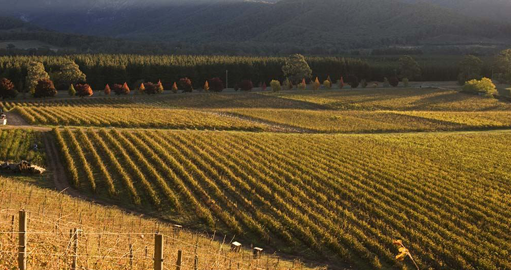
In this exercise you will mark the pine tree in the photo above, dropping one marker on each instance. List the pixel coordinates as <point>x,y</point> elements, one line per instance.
<point>107,90</point>
<point>141,89</point>
<point>341,83</point>
<point>174,87</point>
<point>126,89</point>
<point>206,86</point>
<point>159,87</point>
<point>303,85</point>
<point>316,84</point>
<point>71,91</point>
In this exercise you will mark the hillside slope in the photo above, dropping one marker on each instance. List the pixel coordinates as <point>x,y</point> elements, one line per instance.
<point>334,23</point>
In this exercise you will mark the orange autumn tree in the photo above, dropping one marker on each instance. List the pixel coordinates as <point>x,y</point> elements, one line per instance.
<point>141,89</point>
<point>159,87</point>
<point>107,90</point>
<point>206,86</point>
<point>174,87</point>
<point>316,84</point>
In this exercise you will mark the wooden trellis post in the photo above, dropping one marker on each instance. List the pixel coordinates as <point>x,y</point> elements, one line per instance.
<point>158,252</point>
<point>179,259</point>
<point>22,243</point>
<point>74,239</point>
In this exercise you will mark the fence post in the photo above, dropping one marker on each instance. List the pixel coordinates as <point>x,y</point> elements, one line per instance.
<point>158,252</point>
<point>22,244</point>
<point>74,264</point>
<point>131,256</point>
<point>179,259</point>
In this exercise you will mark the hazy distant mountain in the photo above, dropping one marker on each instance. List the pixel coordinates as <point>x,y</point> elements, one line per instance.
<point>302,23</point>
<point>496,10</point>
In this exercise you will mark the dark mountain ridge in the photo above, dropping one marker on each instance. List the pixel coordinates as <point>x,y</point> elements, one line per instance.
<point>326,25</point>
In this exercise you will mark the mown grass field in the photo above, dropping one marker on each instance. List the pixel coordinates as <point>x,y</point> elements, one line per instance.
<point>343,198</point>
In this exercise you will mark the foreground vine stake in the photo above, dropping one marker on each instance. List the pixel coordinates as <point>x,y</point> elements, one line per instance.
<point>404,252</point>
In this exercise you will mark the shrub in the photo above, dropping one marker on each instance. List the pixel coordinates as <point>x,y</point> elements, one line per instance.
<point>174,88</point>
<point>84,90</point>
<point>71,91</point>
<point>316,84</point>
<point>394,81</point>
<point>7,89</point>
<point>353,81</point>
<point>406,82</point>
<point>186,85</point>
<point>150,88</point>
<point>120,89</point>
<point>216,85</point>
<point>246,85</point>
<point>45,88</point>
<point>107,90</point>
<point>275,86</point>
<point>484,87</point>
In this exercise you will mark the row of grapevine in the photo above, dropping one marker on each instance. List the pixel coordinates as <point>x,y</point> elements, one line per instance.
<point>341,197</point>
<point>134,117</point>
<point>17,145</point>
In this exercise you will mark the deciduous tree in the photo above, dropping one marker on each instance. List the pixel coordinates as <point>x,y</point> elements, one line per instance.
<point>35,73</point>
<point>84,90</point>
<point>45,88</point>
<point>246,85</point>
<point>216,85</point>
<point>409,68</point>
<point>7,89</point>
<point>470,68</point>
<point>296,68</point>
<point>186,85</point>
<point>275,86</point>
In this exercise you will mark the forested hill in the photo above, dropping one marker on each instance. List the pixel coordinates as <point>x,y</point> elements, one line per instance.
<point>302,23</point>
<point>496,10</point>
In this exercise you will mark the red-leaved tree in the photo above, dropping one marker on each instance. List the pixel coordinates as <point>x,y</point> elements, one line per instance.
<point>120,89</point>
<point>83,90</point>
<point>186,85</point>
<point>150,88</point>
<point>45,88</point>
<point>7,89</point>
<point>246,85</point>
<point>216,85</point>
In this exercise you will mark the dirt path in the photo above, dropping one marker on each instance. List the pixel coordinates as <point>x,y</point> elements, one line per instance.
<point>15,121</point>
<point>55,166</point>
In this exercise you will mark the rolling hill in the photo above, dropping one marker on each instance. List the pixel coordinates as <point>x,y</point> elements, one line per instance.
<point>303,23</point>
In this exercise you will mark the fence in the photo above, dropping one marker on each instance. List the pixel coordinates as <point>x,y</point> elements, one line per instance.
<point>71,245</point>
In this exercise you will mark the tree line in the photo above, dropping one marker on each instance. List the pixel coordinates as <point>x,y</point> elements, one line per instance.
<point>103,69</point>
